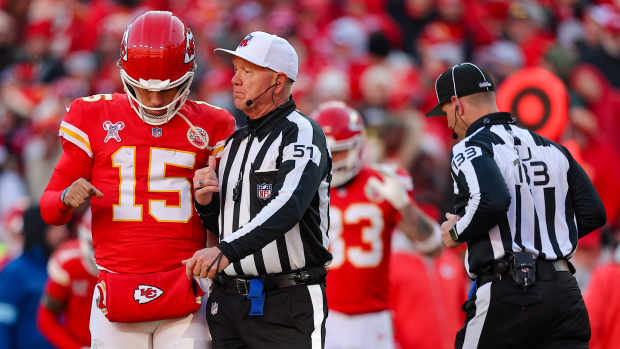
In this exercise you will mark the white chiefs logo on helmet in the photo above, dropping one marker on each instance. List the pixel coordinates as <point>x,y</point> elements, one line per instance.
<point>123,46</point>
<point>146,293</point>
<point>190,47</point>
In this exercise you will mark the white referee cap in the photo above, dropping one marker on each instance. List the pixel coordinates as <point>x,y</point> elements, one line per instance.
<point>267,51</point>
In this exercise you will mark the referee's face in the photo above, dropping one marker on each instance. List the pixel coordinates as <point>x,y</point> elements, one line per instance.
<point>248,82</point>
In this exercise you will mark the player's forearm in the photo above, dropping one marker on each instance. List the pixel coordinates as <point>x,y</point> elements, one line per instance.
<point>212,238</point>
<point>51,328</point>
<point>73,164</point>
<point>420,229</point>
<point>53,210</point>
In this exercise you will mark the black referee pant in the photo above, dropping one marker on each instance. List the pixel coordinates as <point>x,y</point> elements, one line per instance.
<point>294,317</point>
<point>550,314</point>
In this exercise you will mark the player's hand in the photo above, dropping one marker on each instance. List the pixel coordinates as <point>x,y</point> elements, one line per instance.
<point>206,183</point>
<point>79,191</point>
<point>391,189</point>
<point>198,265</point>
<point>445,230</point>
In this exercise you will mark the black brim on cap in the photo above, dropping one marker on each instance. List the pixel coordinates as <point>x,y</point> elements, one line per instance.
<point>437,111</point>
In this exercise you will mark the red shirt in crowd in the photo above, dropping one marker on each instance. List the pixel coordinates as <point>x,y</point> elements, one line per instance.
<point>426,295</point>
<point>603,302</point>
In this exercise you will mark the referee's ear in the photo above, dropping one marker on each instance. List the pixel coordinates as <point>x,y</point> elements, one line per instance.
<point>282,83</point>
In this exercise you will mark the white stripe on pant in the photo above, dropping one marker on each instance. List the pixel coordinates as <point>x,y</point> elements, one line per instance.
<point>316,295</point>
<point>474,326</point>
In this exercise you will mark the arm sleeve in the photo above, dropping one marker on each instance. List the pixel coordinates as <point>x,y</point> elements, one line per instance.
<point>209,214</point>
<point>73,164</point>
<point>305,163</point>
<point>223,133</point>
<point>10,299</point>
<point>50,327</point>
<point>589,209</point>
<point>57,292</point>
<point>488,197</point>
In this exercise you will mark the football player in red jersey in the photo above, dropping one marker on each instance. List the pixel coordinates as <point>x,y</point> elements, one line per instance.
<point>367,203</point>
<point>65,307</point>
<point>134,155</point>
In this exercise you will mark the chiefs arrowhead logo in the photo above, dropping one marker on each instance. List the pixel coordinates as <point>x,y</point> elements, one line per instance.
<point>124,45</point>
<point>190,47</point>
<point>146,293</point>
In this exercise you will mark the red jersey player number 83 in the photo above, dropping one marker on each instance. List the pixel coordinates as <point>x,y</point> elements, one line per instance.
<point>371,217</point>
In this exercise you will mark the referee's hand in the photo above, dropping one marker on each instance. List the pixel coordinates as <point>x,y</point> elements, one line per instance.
<point>206,183</point>
<point>445,230</point>
<point>198,265</point>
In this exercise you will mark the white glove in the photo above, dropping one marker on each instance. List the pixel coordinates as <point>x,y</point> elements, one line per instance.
<point>391,189</point>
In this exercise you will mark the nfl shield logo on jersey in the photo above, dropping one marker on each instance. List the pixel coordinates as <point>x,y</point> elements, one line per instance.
<point>146,293</point>
<point>264,191</point>
<point>156,132</point>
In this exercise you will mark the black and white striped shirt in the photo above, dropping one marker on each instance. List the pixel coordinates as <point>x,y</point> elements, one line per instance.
<point>516,190</point>
<point>274,177</point>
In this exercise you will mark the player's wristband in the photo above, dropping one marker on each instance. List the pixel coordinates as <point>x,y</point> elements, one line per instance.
<point>62,196</point>
<point>453,233</point>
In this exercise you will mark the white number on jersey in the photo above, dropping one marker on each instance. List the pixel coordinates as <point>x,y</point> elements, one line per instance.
<point>127,210</point>
<point>367,256</point>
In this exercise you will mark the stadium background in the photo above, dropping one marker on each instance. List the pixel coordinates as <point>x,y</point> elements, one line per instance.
<point>380,56</point>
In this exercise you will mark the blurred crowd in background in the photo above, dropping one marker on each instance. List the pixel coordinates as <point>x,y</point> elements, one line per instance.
<point>379,56</point>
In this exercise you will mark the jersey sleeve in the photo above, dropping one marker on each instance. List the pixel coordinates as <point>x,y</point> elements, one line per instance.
<point>74,128</point>
<point>478,178</point>
<point>225,129</point>
<point>58,289</point>
<point>54,331</point>
<point>588,206</point>
<point>59,280</point>
<point>74,163</point>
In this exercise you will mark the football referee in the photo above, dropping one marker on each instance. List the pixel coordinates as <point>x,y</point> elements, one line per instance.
<point>273,180</point>
<point>521,204</point>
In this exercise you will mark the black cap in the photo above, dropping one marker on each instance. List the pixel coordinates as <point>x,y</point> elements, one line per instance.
<point>467,78</point>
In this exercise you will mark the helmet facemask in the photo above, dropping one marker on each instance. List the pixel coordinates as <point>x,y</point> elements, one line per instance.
<point>346,169</point>
<point>170,109</point>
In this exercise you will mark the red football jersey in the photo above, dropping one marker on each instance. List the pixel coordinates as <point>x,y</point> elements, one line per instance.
<point>71,282</point>
<point>426,295</point>
<point>360,231</point>
<point>146,220</point>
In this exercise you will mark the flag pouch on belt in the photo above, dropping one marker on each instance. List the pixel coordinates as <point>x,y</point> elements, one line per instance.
<point>147,297</point>
<point>256,295</point>
<point>523,269</point>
